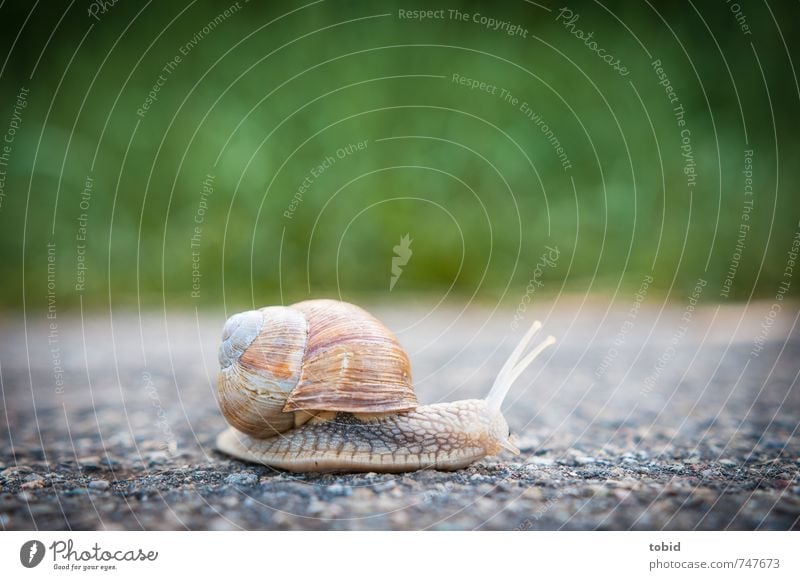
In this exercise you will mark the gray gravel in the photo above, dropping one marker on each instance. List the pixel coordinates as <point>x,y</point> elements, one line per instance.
<point>705,439</point>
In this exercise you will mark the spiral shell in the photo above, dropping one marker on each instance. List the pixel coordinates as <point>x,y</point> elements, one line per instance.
<point>283,365</point>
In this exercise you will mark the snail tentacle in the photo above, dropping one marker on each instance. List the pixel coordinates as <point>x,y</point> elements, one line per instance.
<point>514,367</point>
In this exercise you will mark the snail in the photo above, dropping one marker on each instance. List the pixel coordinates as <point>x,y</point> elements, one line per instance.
<point>322,385</point>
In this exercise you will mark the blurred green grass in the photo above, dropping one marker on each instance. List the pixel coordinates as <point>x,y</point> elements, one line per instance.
<point>476,185</point>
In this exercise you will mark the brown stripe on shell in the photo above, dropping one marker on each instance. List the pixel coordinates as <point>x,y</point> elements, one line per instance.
<point>277,351</point>
<point>353,363</point>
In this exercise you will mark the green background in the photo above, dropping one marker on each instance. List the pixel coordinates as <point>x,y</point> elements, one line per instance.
<point>273,90</point>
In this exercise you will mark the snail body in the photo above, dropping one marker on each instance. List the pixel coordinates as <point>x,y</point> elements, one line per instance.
<point>322,385</point>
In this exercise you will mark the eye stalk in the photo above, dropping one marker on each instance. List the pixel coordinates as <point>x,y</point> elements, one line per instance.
<point>514,367</point>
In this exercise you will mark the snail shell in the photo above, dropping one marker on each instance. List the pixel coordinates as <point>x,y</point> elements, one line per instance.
<point>282,365</point>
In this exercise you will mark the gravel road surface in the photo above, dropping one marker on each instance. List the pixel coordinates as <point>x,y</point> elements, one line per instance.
<point>649,418</point>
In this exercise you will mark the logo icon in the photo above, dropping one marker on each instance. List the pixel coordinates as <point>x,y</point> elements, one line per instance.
<point>31,553</point>
<point>402,255</point>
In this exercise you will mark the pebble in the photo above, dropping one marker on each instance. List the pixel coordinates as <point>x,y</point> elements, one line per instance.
<point>33,481</point>
<point>281,518</point>
<point>333,511</point>
<point>538,461</point>
<point>316,507</point>
<point>15,471</point>
<point>602,491</point>
<point>339,489</point>
<point>99,484</point>
<point>533,493</point>
<point>400,519</point>
<point>591,473</point>
<point>221,524</point>
<point>242,479</point>
<point>384,486</point>
<point>621,494</point>
<point>362,494</point>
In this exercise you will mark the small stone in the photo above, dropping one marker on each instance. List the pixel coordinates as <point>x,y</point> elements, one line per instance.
<point>540,461</point>
<point>33,481</point>
<point>400,519</point>
<point>221,524</point>
<point>99,484</point>
<point>339,489</point>
<point>316,507</point>
<point>384,486</point>
<point>585,460</point>
<point>727,462</point>
<point>333,510</point>
<point>621,494</point>
<point>533,493</point>
<point>90,466</point>
<point>281,518</point>
<point>242,479</point>
<point>157,457</point>
<point>591,473</point>
<point>362,495</point>
<point>15,471</point>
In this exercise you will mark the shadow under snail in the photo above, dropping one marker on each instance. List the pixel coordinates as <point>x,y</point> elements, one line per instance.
<point>322,385</point>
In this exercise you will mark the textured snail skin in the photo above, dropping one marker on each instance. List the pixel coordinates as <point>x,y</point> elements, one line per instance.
<point>443,436</point>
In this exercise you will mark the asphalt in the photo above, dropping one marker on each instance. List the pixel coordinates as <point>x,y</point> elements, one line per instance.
<point>643,419</point>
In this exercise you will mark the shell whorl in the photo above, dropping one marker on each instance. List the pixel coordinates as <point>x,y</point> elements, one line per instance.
<point>261,360</point>
<point>238,333</point>
<point>282,365</point>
